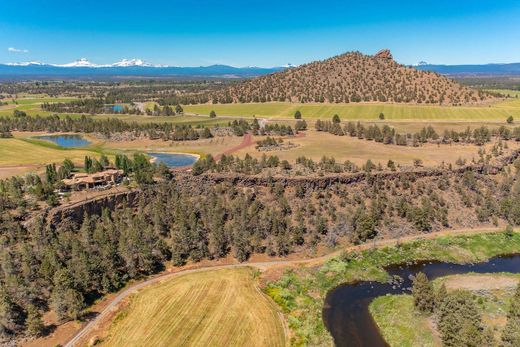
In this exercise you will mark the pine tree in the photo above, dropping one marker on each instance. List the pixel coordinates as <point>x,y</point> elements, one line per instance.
<point>422,291</point>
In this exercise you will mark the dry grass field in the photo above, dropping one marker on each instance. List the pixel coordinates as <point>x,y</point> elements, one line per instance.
<point>211,308</point>
<point>315,145</point>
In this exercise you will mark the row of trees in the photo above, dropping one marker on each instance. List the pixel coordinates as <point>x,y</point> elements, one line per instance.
<point>388,135</point>
<point>107,127</point>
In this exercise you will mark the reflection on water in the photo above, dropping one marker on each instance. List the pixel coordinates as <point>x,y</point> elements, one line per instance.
<point>174,159</point>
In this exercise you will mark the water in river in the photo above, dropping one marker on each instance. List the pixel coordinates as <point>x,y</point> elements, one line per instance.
<point>346,313</point>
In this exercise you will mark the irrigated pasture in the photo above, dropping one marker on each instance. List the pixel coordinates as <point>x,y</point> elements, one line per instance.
<point>20,155</point>
<point>369,111</point>
<point>210,308</point>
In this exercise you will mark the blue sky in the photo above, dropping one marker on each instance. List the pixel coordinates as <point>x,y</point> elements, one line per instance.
<point>260,33</point>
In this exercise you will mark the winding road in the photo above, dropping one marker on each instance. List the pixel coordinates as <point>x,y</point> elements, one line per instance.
<point>261,265</point>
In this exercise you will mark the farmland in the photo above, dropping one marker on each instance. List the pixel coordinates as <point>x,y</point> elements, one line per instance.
<point>22,155</point>
<point>211,308</point>
<point>365,111</point>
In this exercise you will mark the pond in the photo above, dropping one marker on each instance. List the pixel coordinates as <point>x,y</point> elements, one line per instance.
<point>346,313</point>
<point>174,159</point>
<point>67,141</point>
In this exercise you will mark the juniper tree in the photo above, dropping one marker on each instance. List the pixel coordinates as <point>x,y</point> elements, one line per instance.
<point>459,321</point>
<point>511,332</point>
<point>422,290</point>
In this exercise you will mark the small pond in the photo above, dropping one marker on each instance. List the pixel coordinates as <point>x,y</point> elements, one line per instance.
<point>174,159</point>
<point>67,141</point>
<point>346,313</point>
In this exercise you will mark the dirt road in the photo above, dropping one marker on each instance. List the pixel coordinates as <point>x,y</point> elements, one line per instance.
<point>261,265</point>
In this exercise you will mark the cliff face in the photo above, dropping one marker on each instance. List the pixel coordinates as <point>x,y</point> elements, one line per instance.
<point>319,183</point>
<point>76,211</point>
<point>199,185</point>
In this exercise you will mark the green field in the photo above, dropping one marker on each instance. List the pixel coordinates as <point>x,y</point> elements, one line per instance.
<point>496,112</point>
<point>210,308</point>
<point>21,155</point>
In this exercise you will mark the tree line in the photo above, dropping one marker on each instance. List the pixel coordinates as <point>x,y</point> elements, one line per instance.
<point>388,135</point>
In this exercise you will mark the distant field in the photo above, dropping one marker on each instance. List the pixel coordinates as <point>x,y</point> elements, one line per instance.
<point>315,145</point>
<point>511,93</point>
<point>495,112</point>
<point>212,308</point>
<point>284,110</point>
<point>183,119</point>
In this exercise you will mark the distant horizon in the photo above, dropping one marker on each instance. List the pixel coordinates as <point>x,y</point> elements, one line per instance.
<point>152,64</point>
<point>261,33</point>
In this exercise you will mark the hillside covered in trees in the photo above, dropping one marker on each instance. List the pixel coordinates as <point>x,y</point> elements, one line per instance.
<point>352,77</point>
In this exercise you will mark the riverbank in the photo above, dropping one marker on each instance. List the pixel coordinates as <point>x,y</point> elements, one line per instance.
<point>301,293</point>
<point>402,326</point>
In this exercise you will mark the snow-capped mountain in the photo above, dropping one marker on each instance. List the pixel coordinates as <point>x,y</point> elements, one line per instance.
<point>83,62</point>
<point>85,69</point>
<point>131,62</point>
<point>27,63</point>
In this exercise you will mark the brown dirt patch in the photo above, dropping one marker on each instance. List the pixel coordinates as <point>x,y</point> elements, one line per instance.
<point>481,282</point>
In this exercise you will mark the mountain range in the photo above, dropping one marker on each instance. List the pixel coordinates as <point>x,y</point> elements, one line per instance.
<point>511,69</point>
<point>126,68</point>
<point>130,68</point>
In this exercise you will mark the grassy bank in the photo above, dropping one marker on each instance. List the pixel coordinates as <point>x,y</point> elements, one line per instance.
<point>300,293</point>
<point>402,326</point>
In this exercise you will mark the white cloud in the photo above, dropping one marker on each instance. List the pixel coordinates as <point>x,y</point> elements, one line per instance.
<point>16,50</point>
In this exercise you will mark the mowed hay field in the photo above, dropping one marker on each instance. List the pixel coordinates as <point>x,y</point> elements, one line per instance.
<point>210,308</point>
<point>495,112</point>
